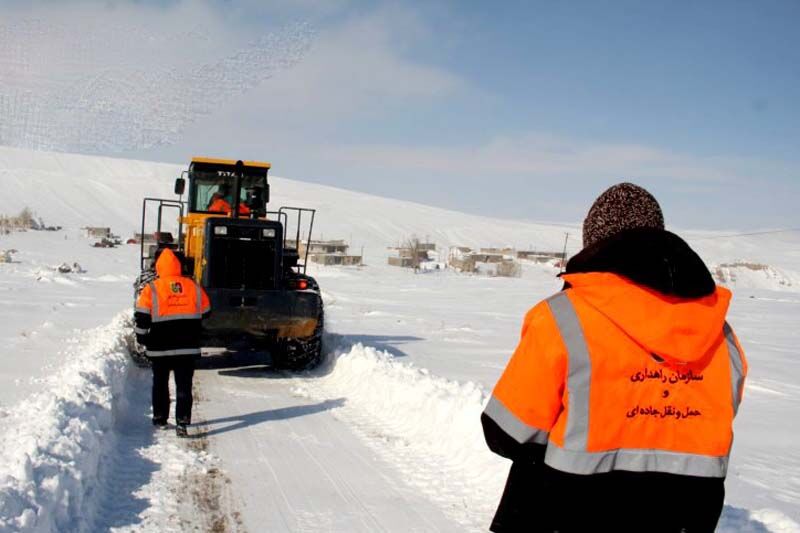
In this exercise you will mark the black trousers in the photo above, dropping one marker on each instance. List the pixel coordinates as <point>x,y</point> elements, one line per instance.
<point>541,499</point>
<point>183,366</point>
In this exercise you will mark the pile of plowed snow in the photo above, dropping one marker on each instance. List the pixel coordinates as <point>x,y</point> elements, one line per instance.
<point>427,426</point>
<point>81,455</point>
<point>51,444</point>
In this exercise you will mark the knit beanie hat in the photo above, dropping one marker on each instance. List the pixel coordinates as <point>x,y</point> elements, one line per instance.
<point>621,207</point>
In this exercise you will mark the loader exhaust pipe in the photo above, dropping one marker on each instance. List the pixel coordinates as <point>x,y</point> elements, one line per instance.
<point>237,186</point>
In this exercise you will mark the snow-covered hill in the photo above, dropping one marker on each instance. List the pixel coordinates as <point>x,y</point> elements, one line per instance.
<point>394,412</point>
<point>76,190</point>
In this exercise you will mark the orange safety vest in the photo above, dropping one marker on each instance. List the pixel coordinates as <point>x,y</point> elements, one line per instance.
<point>221,205</point>
<point>611,375</point>
<point>172,296</point>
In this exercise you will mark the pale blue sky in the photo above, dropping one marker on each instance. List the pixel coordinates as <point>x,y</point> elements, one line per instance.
<point>518,109</point>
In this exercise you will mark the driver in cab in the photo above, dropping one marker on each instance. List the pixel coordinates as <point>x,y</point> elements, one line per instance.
<point>219,202</point>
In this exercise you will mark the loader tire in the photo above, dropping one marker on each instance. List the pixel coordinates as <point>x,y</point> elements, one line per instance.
<point>137,353</point>
<point>300,354</point>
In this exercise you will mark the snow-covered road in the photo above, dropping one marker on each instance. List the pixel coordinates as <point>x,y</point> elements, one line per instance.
<point>295,466</point>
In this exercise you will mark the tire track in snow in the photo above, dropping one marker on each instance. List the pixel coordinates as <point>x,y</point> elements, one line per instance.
<point>134,490</point>
<point>152,481</point>
<point>296,467</point>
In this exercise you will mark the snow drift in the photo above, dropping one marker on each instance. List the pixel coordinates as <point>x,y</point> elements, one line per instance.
<point>427,426</point>
<point>52,443</point>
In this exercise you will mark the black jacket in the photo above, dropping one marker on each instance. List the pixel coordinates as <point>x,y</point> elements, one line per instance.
<point>540,498</point>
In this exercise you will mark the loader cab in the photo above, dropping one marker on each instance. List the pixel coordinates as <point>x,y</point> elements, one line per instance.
<point>238,189</point>
<point>229,239</point>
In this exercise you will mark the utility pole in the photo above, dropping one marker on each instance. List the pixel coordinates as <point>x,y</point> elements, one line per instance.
<point>564,254</point>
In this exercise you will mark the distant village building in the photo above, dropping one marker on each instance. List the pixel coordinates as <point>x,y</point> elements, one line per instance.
<point>323,247</point>
<point>413,254</point>
<point>147,238</point>
<point>498,251</point>
<point>97,232</point>
<point>487,261</point>
<point>540,257</point>
<point>405,262</point>
<point>329,253</point>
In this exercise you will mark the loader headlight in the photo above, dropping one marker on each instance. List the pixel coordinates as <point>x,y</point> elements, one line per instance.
<point>220,230</point>
<point>268,233</point>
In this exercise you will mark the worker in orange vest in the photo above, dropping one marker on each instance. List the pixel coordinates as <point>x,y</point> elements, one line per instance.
<point>168,316</point>
<point>219,202</point>
<point>617,406</point>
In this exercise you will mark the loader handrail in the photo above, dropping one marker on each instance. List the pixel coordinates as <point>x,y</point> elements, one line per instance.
<point>299,211</point>
<point>162,202</point>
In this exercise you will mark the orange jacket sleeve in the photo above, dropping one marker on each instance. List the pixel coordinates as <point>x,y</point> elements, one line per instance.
<point>142,315</point>
<point>205,306</point>
<point>528,397</point>
<point>144,303</point>
<point>220,205</point>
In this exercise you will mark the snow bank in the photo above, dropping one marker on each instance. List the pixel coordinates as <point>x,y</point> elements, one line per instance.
<point>52,444</point>
<point>425,425</point>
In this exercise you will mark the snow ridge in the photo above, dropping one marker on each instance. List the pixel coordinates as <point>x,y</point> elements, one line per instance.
<point>51,445</point>
<point>427,426</point>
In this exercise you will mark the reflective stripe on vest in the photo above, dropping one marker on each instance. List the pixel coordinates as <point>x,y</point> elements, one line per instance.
<point>737,367</point>
<point>182,316</point>
<point>579,367</point>
<point>180,351</point>
<point>519,430</point>
<point>573,457</point>
<point>153,298</point>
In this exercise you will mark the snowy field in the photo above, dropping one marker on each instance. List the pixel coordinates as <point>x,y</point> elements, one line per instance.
<point>384,436</point>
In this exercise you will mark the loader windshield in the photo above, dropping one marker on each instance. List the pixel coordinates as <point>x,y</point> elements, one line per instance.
<point>206,187</point>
